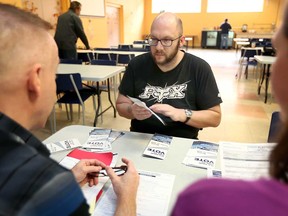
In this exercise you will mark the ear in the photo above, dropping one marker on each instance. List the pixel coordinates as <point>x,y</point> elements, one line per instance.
<point>34,82</point>
<point>182,41</point>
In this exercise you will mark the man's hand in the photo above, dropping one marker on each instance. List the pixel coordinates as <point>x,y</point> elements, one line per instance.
<point>82,169</point>
<point>169,111</point>
<point>125,188</point>
<point>139,112</point>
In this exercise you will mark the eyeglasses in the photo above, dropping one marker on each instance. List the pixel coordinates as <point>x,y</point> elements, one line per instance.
<point>164,42</point>
<point>119,171</point>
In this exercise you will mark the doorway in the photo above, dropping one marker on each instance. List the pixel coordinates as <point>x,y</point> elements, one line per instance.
<point>113,23</point>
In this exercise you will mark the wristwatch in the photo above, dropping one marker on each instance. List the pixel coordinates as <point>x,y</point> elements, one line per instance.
<point>188,114</point>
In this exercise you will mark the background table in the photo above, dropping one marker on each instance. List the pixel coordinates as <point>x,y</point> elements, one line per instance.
<point>132,145</point>
<point>265,61</point>
<point>95,73</point>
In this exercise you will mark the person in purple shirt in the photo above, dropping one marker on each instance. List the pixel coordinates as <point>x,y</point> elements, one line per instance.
<point>262,197</point>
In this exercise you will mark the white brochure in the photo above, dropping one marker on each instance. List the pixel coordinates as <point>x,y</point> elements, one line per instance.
<point>158,146</point>
<point>63,145</point>
<point>98,139</point>
<point>153,196</point>
<point>202,154</point>
<point>142,104</point>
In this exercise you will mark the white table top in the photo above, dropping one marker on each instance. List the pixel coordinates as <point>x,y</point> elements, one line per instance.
<point>136,53</point>
<point>132,145</point>
<point>91,72</point>
<point>265,59</point>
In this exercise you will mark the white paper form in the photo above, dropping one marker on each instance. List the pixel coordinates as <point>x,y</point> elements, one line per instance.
<point>153,196</point>
<point>142,104</point>
<point>245,160</point>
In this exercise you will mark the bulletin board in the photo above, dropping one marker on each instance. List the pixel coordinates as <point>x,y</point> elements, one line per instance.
<point>92,7</point>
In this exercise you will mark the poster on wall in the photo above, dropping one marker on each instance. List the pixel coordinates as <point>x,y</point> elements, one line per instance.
<point>47,10</point>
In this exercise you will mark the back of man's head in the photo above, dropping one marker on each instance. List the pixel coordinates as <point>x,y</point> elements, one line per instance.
<point>75,5</point>
<point>18,31</point>
<point>26,50</point>
<point>226,20</point>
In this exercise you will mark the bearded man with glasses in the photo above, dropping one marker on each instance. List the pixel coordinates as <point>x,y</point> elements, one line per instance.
<point>177,86</point>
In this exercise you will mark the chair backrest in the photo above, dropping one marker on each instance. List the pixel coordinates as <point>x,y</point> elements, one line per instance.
<point>124,58</point>
<point>85,57</point>
<point>64,82</point>
<point>103,62</point>
<point>124,46</point>
<point>275,125</point>
<point>250,53</point>
<point>71,61</point>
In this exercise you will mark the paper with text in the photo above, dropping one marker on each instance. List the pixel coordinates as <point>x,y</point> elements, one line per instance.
<point>153,196</point>
<point>202,154</point>
<point>63,145</point>
<point>158,146</point>
<point>245,160</point>
<point>142,104</point>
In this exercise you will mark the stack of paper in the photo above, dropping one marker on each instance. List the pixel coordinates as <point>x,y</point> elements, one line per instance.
<point>158,146</point>
<point>101,139</point>
<point>202,154</point>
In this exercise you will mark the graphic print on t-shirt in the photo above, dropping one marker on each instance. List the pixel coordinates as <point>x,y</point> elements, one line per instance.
<point>175,91</point>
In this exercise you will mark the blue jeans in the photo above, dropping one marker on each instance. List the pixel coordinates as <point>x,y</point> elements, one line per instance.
<point>224,41</point>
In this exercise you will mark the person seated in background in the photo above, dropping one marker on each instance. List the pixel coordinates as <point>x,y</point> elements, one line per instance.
<point>27,95</point>
<point>265,196</point>
<point>178,86</point>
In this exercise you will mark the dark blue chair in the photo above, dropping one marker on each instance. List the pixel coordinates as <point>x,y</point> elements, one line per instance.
<point>74,92</point>
<point>71,61</point>
<point>275,126</point>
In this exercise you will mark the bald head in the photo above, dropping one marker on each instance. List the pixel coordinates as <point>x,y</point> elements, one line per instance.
<point>168,20</point>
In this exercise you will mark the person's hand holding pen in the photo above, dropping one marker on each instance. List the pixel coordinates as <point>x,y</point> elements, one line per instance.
<point>83,169</point>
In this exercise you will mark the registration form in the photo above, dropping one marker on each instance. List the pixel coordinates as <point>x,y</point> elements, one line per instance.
<point>153,196</point>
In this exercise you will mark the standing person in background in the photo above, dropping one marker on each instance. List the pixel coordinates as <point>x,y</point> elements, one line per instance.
<point>225,28</point>
<point>27,95</point>
<point>264,196</point>
<point>69,29</point>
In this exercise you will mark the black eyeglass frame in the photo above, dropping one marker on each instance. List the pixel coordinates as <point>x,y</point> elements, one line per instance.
<point>150,39</point>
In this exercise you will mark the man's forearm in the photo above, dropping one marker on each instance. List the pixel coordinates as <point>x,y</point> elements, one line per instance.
<point>125,110</point>
<point>126,206</point>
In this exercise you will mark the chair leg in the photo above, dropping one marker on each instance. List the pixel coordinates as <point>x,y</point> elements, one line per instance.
<point>71,112</point>
<point>83,113</point>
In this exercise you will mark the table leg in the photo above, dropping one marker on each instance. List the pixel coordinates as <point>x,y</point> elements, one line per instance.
<point>109,98</point>
<point>98,103</point>
<point>267,83</point>
<point>262,79</point>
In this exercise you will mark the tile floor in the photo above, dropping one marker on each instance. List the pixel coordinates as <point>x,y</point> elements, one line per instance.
<point>245,116</point>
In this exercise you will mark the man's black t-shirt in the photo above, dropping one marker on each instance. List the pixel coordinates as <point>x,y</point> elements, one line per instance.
<point>190,85</point>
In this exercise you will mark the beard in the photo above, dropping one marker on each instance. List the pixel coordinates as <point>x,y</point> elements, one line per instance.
<point>167,57</point>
